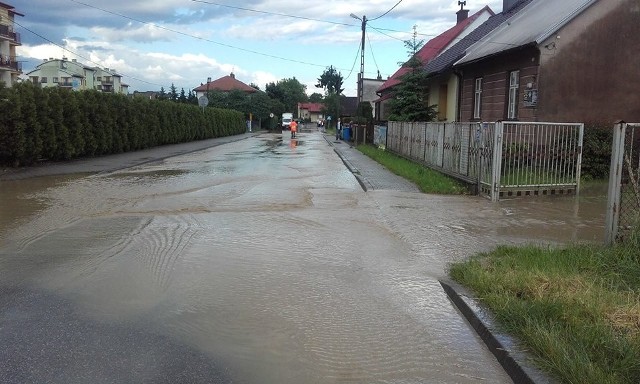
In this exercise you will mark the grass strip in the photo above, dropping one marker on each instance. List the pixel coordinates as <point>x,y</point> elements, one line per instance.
<point>428,180</point>
<point>576,309</point>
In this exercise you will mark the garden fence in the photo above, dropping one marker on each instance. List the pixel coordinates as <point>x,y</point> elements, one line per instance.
<point>501,158</point>
<point>623,204</point>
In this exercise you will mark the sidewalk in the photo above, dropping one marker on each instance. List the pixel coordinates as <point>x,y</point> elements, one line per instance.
<point>370,174</point>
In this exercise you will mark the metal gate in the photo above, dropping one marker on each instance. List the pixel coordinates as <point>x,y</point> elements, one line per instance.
<point>623,205</point>
<point>537,159</point>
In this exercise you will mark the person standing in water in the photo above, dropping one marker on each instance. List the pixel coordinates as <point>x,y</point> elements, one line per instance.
<point>294,128</point>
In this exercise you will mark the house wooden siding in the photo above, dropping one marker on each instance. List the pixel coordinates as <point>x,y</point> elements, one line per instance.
<point>495,85</point>
<point>590,68</point>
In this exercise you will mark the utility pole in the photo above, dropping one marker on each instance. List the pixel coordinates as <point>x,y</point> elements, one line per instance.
<point>361,74</point>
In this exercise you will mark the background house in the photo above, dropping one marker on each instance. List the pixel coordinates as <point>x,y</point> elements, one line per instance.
<point>428,52</point>
<point>369,90</point>
<point>570,60</point>
<point>10,68</point>
<point>224,84</point>
<point>441,71</point>
<point>311,111</point>
<point>74,75</point>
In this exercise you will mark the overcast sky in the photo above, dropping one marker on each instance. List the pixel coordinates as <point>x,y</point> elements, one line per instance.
<point>154,43</point>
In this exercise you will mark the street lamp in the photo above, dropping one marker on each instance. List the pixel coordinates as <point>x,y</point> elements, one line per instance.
<point>361,75</point>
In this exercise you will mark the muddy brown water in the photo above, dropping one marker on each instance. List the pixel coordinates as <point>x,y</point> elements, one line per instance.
<point>261,260</point>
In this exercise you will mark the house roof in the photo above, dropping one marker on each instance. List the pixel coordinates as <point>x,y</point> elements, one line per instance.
<point>10,9</point>
<point>348,106</point>
<point>225,84</point>
<point>431,49</point>
<point>446,59</point>
<point>312,107</point>
<point>537,21</point>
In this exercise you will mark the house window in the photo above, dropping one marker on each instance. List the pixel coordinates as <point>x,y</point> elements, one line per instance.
<point>99,78</point>
<point>43,79</point>
<point>55,80</point>
<point>34,79</point>
<point>477,100</point>
<point>514,80</point>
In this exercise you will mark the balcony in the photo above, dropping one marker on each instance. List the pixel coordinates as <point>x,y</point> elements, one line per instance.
<point>65,84</point>
<point>6,31</point>
<point>10,63</point>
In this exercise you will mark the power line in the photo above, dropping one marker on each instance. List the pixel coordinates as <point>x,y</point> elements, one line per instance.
<point>202,38</point>
<point>272,13</point>
<point>354,63</point>
<point>372,55</point>
<point>77,54</point>
<point>384,14</point>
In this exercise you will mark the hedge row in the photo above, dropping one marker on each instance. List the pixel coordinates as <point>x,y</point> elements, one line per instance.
<point>59,124</point>
<point>596,150</point>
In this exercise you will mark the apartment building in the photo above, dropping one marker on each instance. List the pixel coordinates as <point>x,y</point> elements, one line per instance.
<point>10,68</point>
<point>74,75</point>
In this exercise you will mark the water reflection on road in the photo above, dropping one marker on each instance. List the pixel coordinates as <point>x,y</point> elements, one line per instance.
<point>263,257</point>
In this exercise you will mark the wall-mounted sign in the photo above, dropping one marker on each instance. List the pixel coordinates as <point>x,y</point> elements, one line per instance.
<point>530,97</point>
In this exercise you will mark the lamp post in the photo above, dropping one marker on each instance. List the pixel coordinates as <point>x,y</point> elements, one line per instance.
<point>361,75</point>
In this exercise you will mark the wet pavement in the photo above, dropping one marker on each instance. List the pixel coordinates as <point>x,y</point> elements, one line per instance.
<point>258,261</point>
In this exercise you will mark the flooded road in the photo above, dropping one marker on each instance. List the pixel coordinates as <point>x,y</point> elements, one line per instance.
<point>260,261</point>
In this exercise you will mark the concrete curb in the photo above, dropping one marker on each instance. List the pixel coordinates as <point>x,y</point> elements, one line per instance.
<point>506,350</point>
<point>364,183</point>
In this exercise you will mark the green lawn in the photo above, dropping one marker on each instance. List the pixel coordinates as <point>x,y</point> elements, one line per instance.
<point>428,180</point>
<point>576,309</point>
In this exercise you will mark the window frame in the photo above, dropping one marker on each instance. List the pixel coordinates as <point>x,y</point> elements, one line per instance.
<point>477,98</point>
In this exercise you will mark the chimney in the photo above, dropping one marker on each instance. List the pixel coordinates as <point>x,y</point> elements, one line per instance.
<point>233,76</point>
<point>462,13</point>
<point>508,4</point>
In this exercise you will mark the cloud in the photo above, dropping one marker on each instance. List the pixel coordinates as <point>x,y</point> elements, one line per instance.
<point>186,41</point>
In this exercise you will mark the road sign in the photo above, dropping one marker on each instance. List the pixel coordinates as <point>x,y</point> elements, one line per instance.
<point>203,101</point>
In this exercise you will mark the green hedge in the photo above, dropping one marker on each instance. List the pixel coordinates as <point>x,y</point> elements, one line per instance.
<point>59,124</point>
<point>596,150</point>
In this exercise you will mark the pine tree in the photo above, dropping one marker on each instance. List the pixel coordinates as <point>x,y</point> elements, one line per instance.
<point>173,93</point>
<point>411,98</point>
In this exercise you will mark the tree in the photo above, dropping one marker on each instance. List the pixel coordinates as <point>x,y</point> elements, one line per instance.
<point>364,112</point>
<point>331,80</point>
<point>163,94</point>
<point>183,96</point>
<point>411,98</point>
<point>191,98</point>
<point>254,86</point>
<point>173,93</point>
<point>316,97</point>
<point>289,92</point>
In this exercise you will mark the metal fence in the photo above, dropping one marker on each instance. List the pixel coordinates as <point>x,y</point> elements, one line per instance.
<point>623,205</point>
<point>502,159</point>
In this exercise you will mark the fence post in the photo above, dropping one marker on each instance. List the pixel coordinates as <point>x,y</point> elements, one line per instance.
<point>615,183</point>
<point>579,160</point>
<point>496,167</point>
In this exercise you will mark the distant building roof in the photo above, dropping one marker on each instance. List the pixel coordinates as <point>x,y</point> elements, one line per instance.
<point>312,107</point>
<point>431,49</point>
<point>348,106</point>
<point>10,9</point>
<point>226,84</point>
<point>531,25</point>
